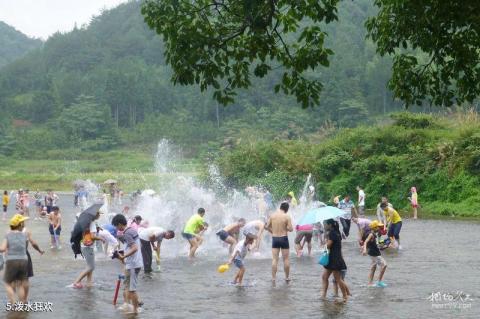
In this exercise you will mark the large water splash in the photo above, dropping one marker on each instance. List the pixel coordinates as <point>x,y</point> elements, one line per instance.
<point>179,197</point>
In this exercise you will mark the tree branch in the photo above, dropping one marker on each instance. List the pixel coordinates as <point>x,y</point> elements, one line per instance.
<point>284,45</point>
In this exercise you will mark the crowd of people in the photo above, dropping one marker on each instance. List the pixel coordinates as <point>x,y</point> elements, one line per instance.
<point>135,243</point>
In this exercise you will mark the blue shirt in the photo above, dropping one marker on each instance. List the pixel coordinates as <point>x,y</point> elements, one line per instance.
<point>111,229</point>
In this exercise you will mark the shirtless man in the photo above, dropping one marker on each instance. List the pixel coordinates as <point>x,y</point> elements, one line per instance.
<point>255,227</point>
<point>229,234</point>
<point>279,224</point>
<point>55,227</point>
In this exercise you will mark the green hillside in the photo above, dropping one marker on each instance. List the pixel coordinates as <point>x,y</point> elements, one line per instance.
<point>439,155</point>
<point>111,75</point>
<point>14,44</point>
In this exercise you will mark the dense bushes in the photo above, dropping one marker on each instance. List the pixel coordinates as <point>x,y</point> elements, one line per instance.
<point>440,157</point>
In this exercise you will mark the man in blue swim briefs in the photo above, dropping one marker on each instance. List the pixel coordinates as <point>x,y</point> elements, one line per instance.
<point>279,224</point>
<point>230,233</point>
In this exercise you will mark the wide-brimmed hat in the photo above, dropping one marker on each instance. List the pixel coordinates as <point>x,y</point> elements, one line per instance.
<point>17,219</point>
<point>376,224</point>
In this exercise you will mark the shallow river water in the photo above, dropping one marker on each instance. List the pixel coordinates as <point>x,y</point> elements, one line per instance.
<point>438,256</point>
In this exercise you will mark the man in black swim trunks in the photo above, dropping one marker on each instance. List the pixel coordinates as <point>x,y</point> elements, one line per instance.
<point>279,224</point>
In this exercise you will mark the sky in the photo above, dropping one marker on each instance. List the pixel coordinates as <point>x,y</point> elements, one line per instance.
<point>42,18</point>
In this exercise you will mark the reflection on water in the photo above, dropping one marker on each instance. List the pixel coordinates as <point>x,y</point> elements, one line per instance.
<point>438,256</point>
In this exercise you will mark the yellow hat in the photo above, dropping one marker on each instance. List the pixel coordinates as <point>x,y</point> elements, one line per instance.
<point>17,219</point>
<point>375,224</point>
<point>291,193</point>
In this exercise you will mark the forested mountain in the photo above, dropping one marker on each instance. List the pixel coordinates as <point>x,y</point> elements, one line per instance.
<point>115,66</point>
<point>14,44</point>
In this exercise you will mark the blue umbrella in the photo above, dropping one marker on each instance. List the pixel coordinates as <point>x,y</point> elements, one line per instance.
<point>318,215</point>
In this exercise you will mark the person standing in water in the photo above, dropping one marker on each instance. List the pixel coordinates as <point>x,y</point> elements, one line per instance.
<point>394,223</point>
<point>132,258</point>
<point>38,204</point>
<point>88,252</point>
<point>16,262</point>
<point>279,224</point>
<point>414,201</point>
<point>151,238</point>
<point>380,213</point>
<point>55,227</point>
<point>229,234</point>
<point>370,246</point>
<point>347,205</point>
<point>49,201</point>
<point>255,227</point>
<point>361,202</point>
<point>336,264</point>
<point>5,202</point>
<point>193,229</point>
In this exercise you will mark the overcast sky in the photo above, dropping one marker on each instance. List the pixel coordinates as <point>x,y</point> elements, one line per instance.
<point>42,18</point>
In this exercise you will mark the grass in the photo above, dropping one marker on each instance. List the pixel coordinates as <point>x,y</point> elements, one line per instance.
<point>133,169</point>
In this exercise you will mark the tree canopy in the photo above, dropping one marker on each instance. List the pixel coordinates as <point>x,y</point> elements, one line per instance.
<point>221,43</point>
<point>218,43</point>
<point>447,32</point>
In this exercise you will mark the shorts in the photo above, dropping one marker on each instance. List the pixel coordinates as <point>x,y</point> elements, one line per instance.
<point>238,263</point>
<point>394,230</point>
<point>5,208</point>
<point>89,255</point>
<point>280,242</point>
<point>38,203</point>
<point>307,234</point>
<point>187,236</point>
<point>343,273</point>
<point>131,279</point>
<point>57,231</point>
<point>15,270</point>
<point>378,261</point>
<point>223,235</point>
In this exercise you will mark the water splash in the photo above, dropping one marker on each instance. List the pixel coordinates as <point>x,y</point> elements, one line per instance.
<point>166,157</point>
<point>178,197</point>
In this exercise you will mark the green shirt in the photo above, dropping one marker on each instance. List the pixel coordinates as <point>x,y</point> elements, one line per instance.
<point>193,224</point>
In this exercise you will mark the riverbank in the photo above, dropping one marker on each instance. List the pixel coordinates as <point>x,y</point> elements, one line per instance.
<point>438,155</point>
<point>132,170</point>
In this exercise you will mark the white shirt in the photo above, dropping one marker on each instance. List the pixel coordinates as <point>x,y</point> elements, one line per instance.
<point>361,198</point>
<point>146,233</point>
<point>250,228</point>
<point>105,234</point>
<point>242,250</point>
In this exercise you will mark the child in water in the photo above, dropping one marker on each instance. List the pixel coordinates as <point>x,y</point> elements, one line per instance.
<point>238,255</point>
<point>5,202</point>
<point>370,246</point>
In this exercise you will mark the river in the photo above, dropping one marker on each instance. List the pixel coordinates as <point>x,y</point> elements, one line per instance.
<point>440,258</point>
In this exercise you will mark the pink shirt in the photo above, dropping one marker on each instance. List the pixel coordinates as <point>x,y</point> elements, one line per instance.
<point>304,227</point>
